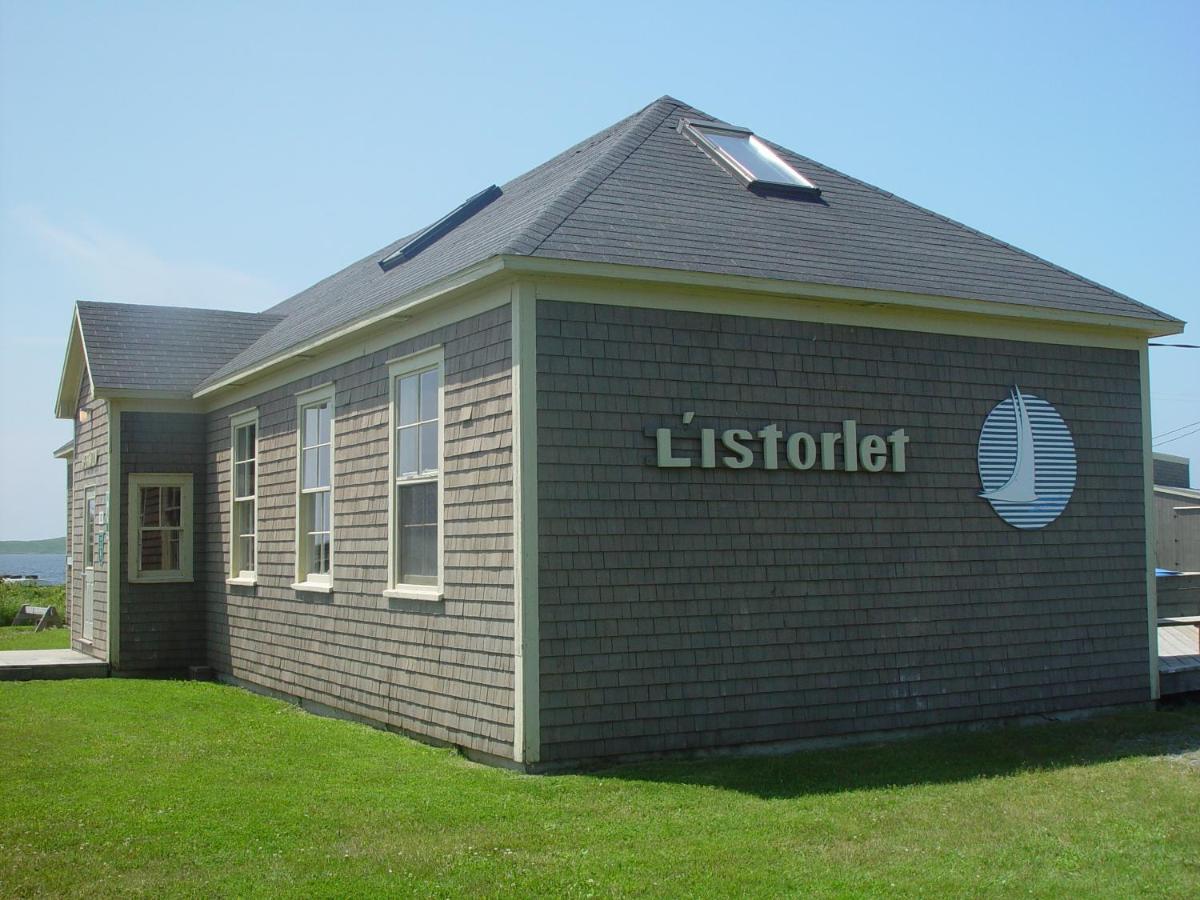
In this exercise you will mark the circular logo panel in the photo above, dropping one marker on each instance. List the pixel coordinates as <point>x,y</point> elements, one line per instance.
<point>1026,461</point>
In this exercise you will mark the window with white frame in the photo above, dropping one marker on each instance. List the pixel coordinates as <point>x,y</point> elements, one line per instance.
<point>243,528</point>
<point>314,551</point>
<point>160,527</point>
<point>416,474</point>
<point>89,530</point>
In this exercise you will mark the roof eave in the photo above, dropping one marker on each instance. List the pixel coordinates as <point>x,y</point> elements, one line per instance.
<point>405,306</point>
<point>1182,493</point>
<point>1148,327</point>
<point>141,394</point>
<point>470,276</point>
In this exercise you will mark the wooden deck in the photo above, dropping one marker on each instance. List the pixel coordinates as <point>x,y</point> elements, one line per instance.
<point>41,665</point>
<point>1179,659</point>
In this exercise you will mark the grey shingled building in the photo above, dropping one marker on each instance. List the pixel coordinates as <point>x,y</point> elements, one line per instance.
<point>680,441</point>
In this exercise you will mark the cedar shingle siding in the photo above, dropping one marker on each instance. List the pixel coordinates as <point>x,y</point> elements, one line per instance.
<point>689,608</point>
<point>90,472</point>
<point>162,625</point>
<point>443,670</point>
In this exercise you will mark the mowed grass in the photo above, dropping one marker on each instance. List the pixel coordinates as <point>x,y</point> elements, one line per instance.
<point>159,789</point>
<point>23,637</point>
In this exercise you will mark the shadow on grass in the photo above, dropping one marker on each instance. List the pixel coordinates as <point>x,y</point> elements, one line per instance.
<point>946,758</point>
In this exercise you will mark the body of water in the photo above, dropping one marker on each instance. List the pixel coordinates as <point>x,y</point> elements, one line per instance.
<point>50,568</point>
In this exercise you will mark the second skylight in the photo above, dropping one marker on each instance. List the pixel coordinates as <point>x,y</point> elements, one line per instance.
<point>748,157</point>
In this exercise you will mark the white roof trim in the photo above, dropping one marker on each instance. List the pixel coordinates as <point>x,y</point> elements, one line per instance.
<point>64,407</point>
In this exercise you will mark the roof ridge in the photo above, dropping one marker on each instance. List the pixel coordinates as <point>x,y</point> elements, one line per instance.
<point>203,309</point>
<point>569,199</point>
<point>983,234</point>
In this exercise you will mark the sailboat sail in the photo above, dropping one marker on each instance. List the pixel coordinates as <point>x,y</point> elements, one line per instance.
<point>1021,486</point>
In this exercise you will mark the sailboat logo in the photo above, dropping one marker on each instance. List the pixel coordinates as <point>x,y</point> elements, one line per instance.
<point>1026,461</point>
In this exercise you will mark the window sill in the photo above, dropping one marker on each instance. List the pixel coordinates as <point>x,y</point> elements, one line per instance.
<point>242,581</point>
<point>414,592</point>
<point>162,579</point>
<point>313,587</point>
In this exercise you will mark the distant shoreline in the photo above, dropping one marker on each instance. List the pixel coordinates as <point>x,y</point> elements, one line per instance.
<point>49,545</point>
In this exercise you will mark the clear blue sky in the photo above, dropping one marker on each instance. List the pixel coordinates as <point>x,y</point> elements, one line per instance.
<point>229,155</point>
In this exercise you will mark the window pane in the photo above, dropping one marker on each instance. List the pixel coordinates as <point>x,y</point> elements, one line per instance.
<point>407,397</point>
<point>171,500</point>
<point>406,451</point>
<point>321,518</point>
<point>244,518</point>
<point>418,504</point>
<point>150,506</point>
<point>323,466</point>
<point>89,543</point>
<point>310,465</point>
<point>311,426</point>
<point>151,556</point>
<point>319,554</point>
<point>418,555</point>
<point>429,447</point>
<point>429,395</point>
<point>244,479</point>
<point>171,556</point>
<point>246,553</point>
<point>306,513</point>
<point>323,423</point>
<point>245,443</point>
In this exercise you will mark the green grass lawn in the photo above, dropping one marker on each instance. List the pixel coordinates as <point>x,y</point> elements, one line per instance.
<point>23,637</point>
<point>156,788</point>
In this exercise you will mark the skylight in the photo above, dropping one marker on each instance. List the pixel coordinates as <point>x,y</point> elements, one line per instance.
<point>746,156</point>
<point>440,228</point>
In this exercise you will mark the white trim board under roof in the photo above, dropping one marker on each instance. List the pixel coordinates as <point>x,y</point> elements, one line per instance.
<point>741,152</point>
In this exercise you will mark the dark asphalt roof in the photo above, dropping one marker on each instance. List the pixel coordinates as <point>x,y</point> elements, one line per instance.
<point>167,349</point>
<point>641,193</point>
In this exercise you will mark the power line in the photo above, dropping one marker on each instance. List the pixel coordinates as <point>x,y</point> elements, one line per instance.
<point>1178,346</point>
<point>1173,430</point>
<point>1178,437</point>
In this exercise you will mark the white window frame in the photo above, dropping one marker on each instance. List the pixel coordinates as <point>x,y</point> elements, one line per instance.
<point>89,528</point>
<point>137,481</point>
<point>433,358</point>
<point>238,574</point>
<point>314,581</point>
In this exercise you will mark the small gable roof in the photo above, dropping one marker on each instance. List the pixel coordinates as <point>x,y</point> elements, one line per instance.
<point>162,349</point>
<point>159,351</point>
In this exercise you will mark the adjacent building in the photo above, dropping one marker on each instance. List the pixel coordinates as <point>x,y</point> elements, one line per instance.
<point>1176,515</point>
<point>679,442</point>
